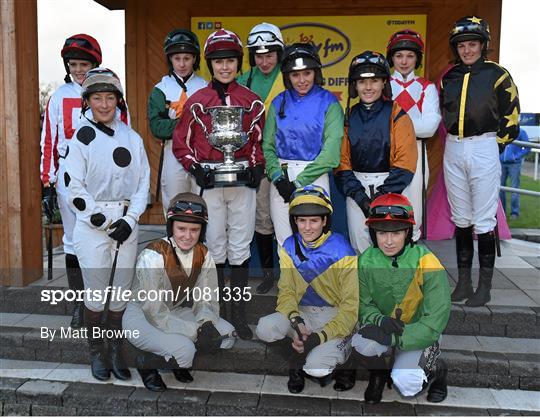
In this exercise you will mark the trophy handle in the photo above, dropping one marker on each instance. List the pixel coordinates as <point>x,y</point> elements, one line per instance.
<point>193,110</point>
<point>257,117</point>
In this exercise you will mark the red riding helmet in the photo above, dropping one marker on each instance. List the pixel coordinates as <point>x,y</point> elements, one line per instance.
<point>405,40</point>
<point>80,47</point>
<point>223,44</point>
<point>390,212</point>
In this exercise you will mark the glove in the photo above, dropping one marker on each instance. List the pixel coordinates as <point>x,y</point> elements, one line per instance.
<point>49,202</point>
<point>285,189</point>
<point>208,338</point>
<point>98,220</point>
<point>375,333</point>
<point>392,326</point>
<point>363,202</point>
<point>256,173</point>
<point>172,113</point>
<point>501,147</point>
<point>200,174</point>
<point>312,341</point>
<point>122,230</point>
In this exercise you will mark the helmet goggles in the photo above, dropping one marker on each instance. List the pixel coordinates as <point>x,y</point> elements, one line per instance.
<point>79,42</point>
<point>394,212</point>
<point>187,208</point>
<point>264,36</point>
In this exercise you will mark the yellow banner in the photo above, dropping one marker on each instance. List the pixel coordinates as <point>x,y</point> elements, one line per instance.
<point>338,38</point>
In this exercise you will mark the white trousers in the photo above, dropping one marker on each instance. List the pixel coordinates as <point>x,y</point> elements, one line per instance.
<point>356,221</point>
<point>96,250</point>
<point>324,358</point>
<point>414,190</point>
<point>231,222</point>
<point>166,344</point>
<point>407,375</point>
<point>279,210</point>
<point>472,174</point>
<point>68,216</point>
<point>174,178</point>
<point>263,221</point>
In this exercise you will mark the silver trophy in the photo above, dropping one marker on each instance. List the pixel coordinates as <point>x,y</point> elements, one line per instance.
<point>228,136</point>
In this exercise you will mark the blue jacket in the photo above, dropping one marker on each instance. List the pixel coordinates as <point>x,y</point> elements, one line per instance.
<point>514,153</point>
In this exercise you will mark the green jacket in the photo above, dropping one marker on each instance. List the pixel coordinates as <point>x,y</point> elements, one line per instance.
<point>419,286</point>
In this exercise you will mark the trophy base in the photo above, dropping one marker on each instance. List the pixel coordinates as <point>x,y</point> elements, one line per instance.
<point>231,178</point>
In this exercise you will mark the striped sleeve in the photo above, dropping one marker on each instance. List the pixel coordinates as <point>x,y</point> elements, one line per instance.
<point>49,141</point>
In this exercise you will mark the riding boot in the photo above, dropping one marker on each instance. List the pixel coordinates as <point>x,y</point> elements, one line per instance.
<point>379,375</point>
<point>265,247</point>
<point>148,372</point>
<point>98,357</point>
<point>220,268</point>
<point>486,259</point>
<point>75,282</point>
<point>296,380</point>
<point>239,280</point>
<point>438,390</point>
<point>181,374</point>
<point>465,253</point>
<point>345,374</point>
<point>118,368</point>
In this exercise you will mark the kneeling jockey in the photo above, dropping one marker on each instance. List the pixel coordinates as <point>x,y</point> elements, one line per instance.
<point>404,306</point>
<point>317,304</point>
<point>179,270</point>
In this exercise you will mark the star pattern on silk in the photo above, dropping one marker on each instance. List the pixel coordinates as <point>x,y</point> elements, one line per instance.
<point>475,19</point>
<point>512,118</point>
<point>512,90</point>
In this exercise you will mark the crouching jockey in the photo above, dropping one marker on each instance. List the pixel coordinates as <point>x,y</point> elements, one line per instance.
<point>185,317</point>
<point>404,306</point>
<point>317,302</point>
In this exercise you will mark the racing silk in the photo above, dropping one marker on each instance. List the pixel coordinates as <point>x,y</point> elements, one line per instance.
<point>380,139</point>
<point>418,285</point>
<point>61,119</point>
<point>103,168</point>
<point>480,98</point>
<point>420,99</point>
<point>156,270</point>
<point>168,94</point>
<point>311,130</point>
<point>267,87</point>
<point>326,279</point>
<point>190,144</point>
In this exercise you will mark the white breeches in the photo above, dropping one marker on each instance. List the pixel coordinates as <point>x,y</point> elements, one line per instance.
<point>279,210</point>
<point>472,174</point>
<point>68,216</point>
<point>263,221</point>
<point>167,344</point>
<point>174,178</point>
<point>324,358</point>
<point>96,250</point>
<point>414,191</point>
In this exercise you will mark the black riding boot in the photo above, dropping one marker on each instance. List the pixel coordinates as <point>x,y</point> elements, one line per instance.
<point>265,246</point>
<point>438,390</point>
<point>465,253</point>
<point>379,375</point>
<point>180,373</point>
<point>296,381</point>
<point>118,367</point>
<point>146,366</point>
<point>221,284</point>
<point>75,282</point>
<point>345,374</point>
<point>99,363</point>
<point>239,280</point>
<point>486,259</point>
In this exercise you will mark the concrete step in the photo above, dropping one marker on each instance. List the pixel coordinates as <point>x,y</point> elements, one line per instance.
<point>496,362</point>
<point>53,388</point>
<point>500,321</point>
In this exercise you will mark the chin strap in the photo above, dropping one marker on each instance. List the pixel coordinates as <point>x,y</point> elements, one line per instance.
<point>101,126</point>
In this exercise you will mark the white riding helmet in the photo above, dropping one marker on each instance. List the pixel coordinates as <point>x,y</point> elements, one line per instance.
<point>264,38</point>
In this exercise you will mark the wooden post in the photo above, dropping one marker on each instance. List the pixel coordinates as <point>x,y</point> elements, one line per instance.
<point>21,259</point>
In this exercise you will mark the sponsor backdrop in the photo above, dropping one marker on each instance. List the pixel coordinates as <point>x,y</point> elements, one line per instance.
<point>338,38</point>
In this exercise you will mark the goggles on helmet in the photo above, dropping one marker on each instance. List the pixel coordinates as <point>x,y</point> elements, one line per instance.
<point>265,36</point>
<point>395,212</point>
<point>80,42</point>
<point>470,27</point>
<point>187,208</point>
<point>363,60</point>
<point>180,38</point>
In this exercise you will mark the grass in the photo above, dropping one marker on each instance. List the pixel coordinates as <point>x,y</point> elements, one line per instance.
<point>529,216</point>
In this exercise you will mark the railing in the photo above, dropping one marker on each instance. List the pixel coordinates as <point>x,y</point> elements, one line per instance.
<point>536,149</point>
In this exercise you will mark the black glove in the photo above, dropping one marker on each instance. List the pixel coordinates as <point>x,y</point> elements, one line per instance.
<point>256,174</point>
<point>122,231</point>
<point>200,174</point>
<point>208,338</point>
<point>312,341</point>
<point>285,189</point>
<point>363,202</point>
<point>392,326</point>
<point>501,147</point>
<point>97,219</point>
<point>49,202</point>
<point>375,333</point>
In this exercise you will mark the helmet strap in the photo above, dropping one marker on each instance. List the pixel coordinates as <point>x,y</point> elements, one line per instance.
<point>347,110</point>
<point>298,249</point>
<point>282,106</point>
<point>100,125</point>
<point>180,81</point>
<point>220,88</point>
<point>250,78</point>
